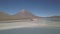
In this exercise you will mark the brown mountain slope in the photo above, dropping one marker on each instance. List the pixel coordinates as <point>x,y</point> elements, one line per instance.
<point>3,16</point>
<point>24,14</point>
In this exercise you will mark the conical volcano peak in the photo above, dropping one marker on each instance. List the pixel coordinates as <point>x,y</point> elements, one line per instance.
<point>24,11</point>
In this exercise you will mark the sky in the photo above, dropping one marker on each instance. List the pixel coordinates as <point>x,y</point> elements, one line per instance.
<point>38,7</point>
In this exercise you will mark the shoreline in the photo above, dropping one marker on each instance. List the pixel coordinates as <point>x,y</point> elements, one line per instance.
<point>13,25</point>
<point>5,26</point>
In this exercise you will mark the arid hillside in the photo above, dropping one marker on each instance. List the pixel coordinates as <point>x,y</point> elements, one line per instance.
<point>23,14</point>
<point>4,16</point>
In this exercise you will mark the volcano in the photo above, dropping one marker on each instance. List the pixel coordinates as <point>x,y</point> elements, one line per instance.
<point>25,14</point>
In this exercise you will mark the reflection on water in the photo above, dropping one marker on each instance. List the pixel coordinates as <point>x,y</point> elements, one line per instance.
<point>51,21</point>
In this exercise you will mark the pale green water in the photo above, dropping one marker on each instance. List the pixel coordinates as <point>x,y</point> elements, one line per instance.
<point>31,31</point>
<point>44,30</point>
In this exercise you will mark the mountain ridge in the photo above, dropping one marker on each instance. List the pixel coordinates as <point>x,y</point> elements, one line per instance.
<point>23,14</point>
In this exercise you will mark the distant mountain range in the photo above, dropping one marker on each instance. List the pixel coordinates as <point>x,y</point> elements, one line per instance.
<point>23,14</point>
<point>55,16</point>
